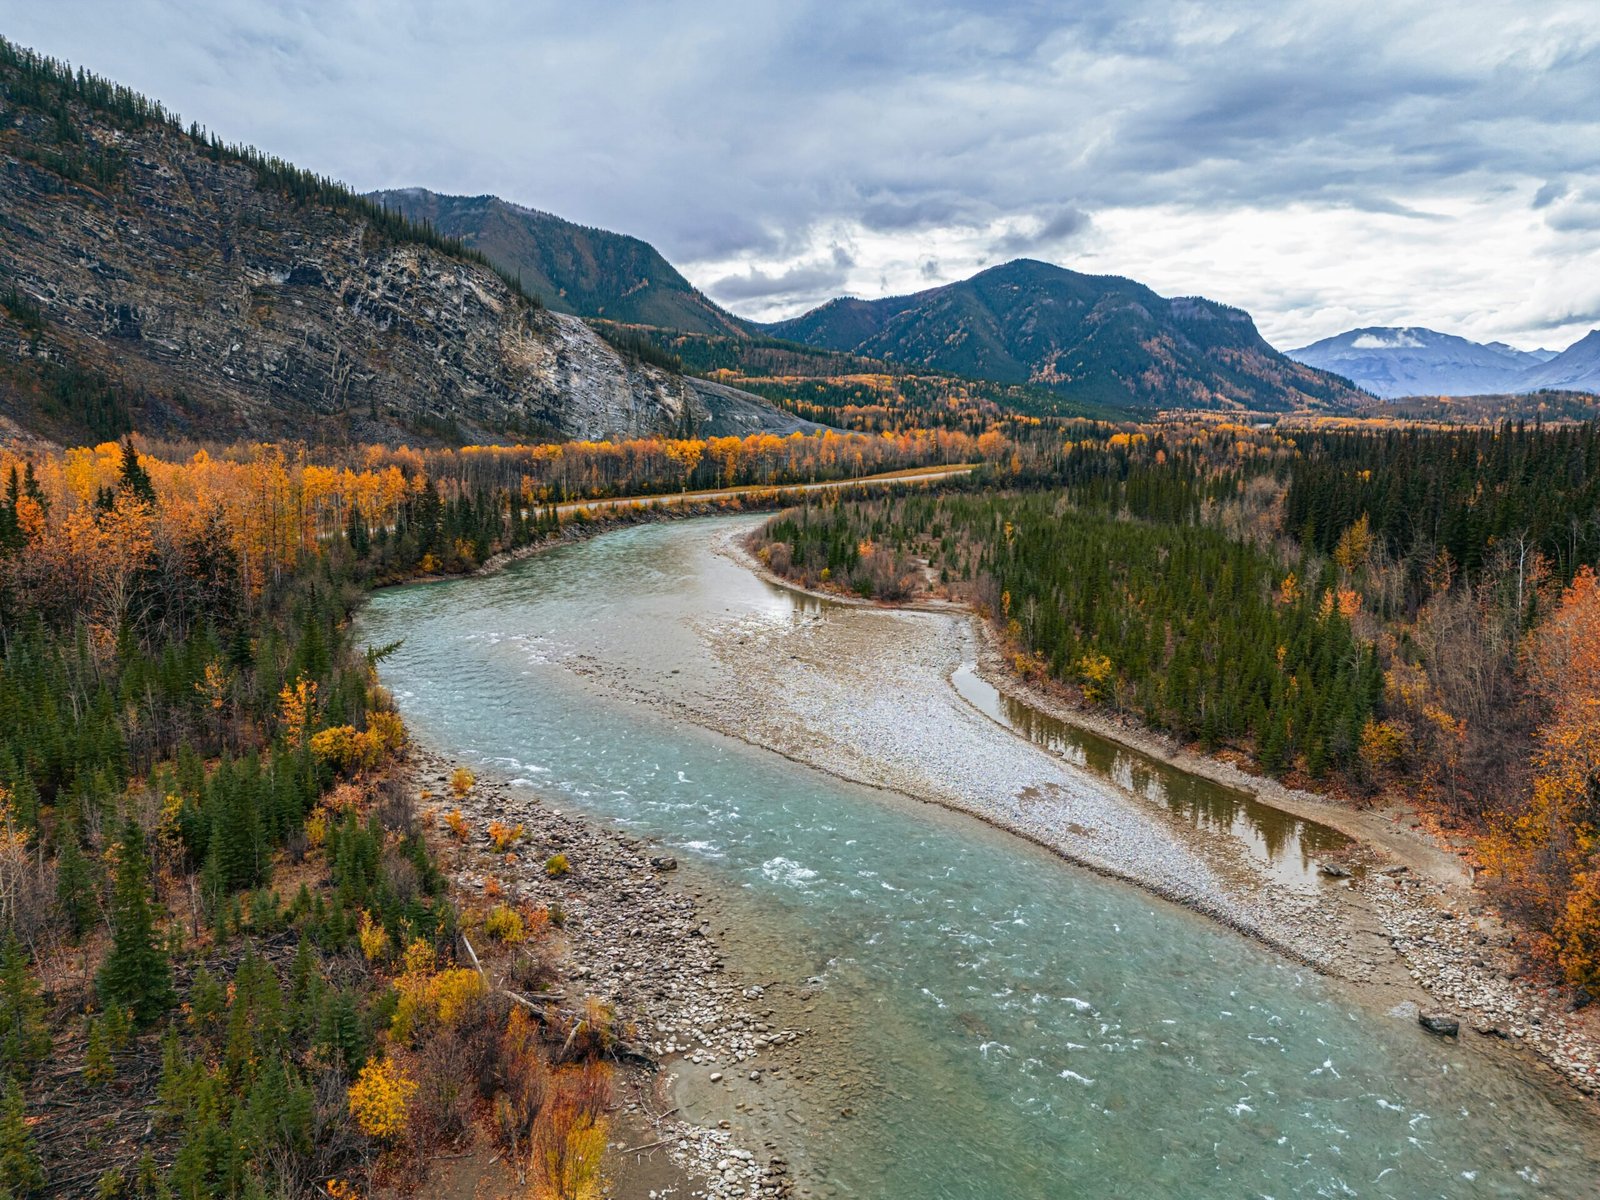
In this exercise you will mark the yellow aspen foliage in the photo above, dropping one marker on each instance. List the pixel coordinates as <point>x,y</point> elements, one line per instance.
<point>1355,544</point>
<point>557,865</point>
<point>214,687</point>
<point>457,824</point>
<point>1577,933</point>
<point>462,781</point>
<point>378,1099</point>
<point>1289,590</point>
<point>452,991</point>
<point>419,957</point>
<point>1094,673</point>
<point>1382,743</point>
<point>372,937</point>
<point>297,706</point>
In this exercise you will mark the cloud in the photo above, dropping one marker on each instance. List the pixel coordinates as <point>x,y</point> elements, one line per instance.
<point>755,284</point>
<point>1393,145</point>
<point>1048,230</point>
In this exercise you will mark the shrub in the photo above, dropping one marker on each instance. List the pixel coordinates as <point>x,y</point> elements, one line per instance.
<point>372,937</point>
<point>1578,934</point>
<point>457,824</point>
<point>504,924</point>
<point>378,1099</point>
<point>557,865</point>
<point>426,998</point>
<point>504,836</point>
<point>462,781</point>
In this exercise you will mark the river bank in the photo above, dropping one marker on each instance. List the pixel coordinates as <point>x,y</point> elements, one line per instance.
<point>636,938</point>
<point>966,995</point>
<point>1401,920</point>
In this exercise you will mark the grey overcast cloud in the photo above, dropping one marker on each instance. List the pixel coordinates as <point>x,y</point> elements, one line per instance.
<point>1323,165</point>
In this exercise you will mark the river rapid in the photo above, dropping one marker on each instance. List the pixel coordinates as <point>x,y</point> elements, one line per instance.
<point>989,1020</point>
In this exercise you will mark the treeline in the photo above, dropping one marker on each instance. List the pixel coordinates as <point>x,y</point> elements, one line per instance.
<point>228,963</point>
<point>1203,636</point>
<point>51,88</point>
<point>1461,493</point>
<point>1370,609</point>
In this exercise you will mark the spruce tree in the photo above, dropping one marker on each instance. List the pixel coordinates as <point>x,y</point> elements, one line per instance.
<point>75,884</point>
<point>136,974</point>
<point>21,1176</point>
<point>23,1037</point>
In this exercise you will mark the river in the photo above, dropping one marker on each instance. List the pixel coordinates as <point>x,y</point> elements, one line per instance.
<point>998,1022</point>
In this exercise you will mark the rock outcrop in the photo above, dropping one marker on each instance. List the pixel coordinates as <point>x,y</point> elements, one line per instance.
<point>223,295</point>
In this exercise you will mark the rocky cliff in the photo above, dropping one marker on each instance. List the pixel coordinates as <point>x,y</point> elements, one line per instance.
<point>154,278</point>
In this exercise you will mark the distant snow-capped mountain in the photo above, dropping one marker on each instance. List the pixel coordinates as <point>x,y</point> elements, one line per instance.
<point>1575,369</point>
<point>1412,361</point>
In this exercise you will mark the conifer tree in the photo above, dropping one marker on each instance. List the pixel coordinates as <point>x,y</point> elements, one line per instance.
<point>23,1037</point>
<point>136,975</point>
<point>21,1176</point>
<point>75,886</point>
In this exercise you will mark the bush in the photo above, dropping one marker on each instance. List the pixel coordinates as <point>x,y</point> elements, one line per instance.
<point>504,836</point>
<point>1578,934</point>
<point>504,924</point>
<point>457,824</point>
<point>378,1099</point>
<point>462,781</point>
<point>557,865</point>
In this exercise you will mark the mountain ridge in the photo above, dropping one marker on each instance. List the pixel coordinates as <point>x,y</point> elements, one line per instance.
<point>1102,338</point>
<point>1399,361</point>
<point>573,268</point>
<point>152,278</point>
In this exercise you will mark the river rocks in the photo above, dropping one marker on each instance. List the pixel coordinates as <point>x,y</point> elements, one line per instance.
<point>663,862</point>
<point>1443,1026</point>
<point>637,942</point>
<point>1333,870</point>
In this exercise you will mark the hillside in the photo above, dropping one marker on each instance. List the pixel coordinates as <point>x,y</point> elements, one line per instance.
<point>1577,368</point>
<point>571,268</point>
<point>1412,361</point>
<point>1094,338</point>
<point>153,279</point>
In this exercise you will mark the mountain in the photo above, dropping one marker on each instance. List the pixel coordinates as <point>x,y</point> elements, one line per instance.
<point>1413,361</point>
<point>1097,338</point>
<point>153,278</point>
<point>572,268</point>
<point>1575,369</point>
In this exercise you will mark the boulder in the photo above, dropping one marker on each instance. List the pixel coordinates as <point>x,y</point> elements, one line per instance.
<point>1441,1025</point>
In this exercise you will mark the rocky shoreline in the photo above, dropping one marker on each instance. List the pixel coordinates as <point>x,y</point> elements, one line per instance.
<point>1400,918</point>
<point>637,938</point>
<point>860,698</point>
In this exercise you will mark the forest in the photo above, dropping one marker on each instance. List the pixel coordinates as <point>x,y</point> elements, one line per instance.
<point>229,966</point>
<point>1395,609</point>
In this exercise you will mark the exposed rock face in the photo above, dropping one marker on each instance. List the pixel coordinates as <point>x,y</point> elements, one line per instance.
<point>572,268</point>
<point>234,310</point>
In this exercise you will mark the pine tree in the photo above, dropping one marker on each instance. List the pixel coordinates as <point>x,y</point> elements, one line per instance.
<point>75,885</point>
<point>135,479</point>
<point>23,1037</point>
<point>136,975</point>
<point>21,1176</point>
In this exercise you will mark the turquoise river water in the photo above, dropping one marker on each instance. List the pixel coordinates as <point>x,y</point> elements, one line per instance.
<point>1031,1029</point>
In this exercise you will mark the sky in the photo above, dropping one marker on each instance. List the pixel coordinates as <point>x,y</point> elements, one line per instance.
<point>1322,165</point>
